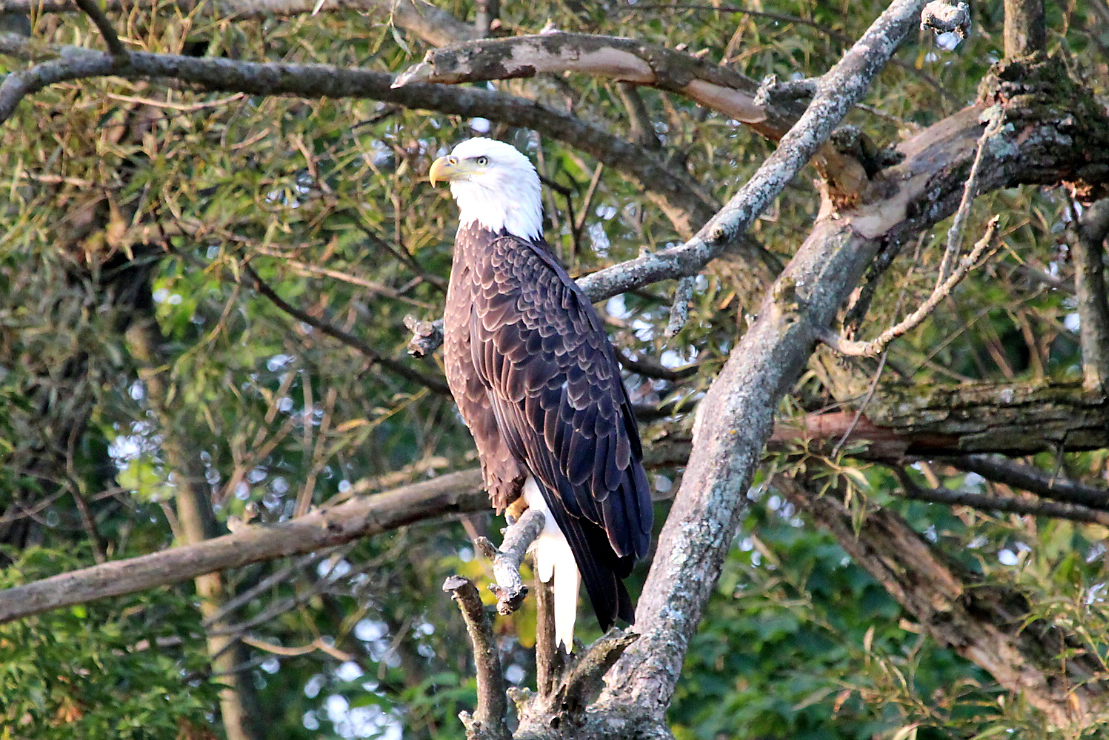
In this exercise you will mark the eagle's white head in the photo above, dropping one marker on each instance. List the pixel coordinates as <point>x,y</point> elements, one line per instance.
<point>494,185</point>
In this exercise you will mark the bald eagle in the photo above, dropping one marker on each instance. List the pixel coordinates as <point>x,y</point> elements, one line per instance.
<point>537,383</point>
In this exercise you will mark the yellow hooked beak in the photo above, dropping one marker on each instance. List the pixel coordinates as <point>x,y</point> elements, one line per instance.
<point>449,168</point>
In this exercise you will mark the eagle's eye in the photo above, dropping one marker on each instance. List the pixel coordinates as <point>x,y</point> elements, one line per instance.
<point>482,161</point>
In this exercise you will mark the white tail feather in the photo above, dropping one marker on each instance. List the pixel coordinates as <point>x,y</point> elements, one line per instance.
<point>554,558</point>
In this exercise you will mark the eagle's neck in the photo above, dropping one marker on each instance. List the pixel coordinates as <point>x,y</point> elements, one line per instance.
<point>514,208</point>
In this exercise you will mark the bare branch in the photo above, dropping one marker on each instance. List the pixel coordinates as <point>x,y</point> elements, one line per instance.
<point>626,60</point>
<point>362,516</point>
<point>679,312</point>
<point>981,251</point>
<point>970,192</point>
<point>509,587</point>
<point>1033,480</point>
<point>549,658</point>
<point>650,368</point>
<point>488,720</point>
<point>1008,504</point>
<point>395,366</point>
<point>111,38</point>
<point>1092,295</point>
<point>427,336</point>
<point>642,130</point>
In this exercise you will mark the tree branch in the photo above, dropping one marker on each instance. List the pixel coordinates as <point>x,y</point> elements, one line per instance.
<point>509,588</point>
<point>111,38</point>
<point>622,59</point>
<point>395,366</point>
<point>674,190</point>
<point>1025,27</point>
<point>361,516</point>
<point>1033,480</point>
<point>1008,504</point>
<point>488,720</point>
<point>946,16</point>
<point>735,418</point>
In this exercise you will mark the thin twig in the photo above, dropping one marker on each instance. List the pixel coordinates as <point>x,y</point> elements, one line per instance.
<point>982,250</point>
<point>375,357</point>
<point>652,368</point>
<point>679,312</point>
<point>492,702</point>
<point>93,10</point>
<point>970,192</point>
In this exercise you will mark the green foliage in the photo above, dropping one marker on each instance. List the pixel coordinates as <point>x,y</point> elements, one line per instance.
<point>128,668</point>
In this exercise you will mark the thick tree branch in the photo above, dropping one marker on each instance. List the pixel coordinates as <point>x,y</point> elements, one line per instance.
<point>626,60</point>
<point>361,516</point>
<point>1025,27</point>
<point>736,415</point>
<point>1012,419</point>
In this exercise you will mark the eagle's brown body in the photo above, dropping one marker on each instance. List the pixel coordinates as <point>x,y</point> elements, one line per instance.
<point>538,385</point>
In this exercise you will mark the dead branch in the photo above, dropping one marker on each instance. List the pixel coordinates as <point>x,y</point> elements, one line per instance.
<point>509,588</point>
<point>626,60</point>
<point>427,336</point>
<point>981,251</point>
<point>488,720</point>
<point>679,311</point>
<point>362,516</point>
